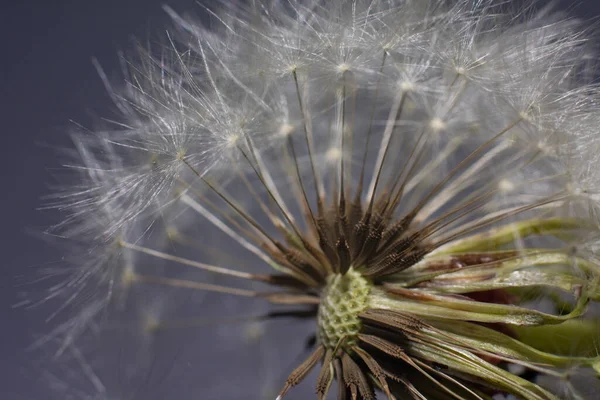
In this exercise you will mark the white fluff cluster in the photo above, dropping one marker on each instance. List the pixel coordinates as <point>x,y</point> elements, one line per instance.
<point>233,132</point>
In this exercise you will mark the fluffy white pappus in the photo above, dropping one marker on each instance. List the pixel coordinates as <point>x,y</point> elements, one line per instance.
<point>261,148</point>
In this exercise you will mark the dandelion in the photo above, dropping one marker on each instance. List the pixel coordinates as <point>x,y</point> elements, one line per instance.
<point>417,178</point>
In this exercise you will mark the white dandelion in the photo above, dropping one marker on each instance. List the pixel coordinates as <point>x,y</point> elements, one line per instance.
<point>416,179</point>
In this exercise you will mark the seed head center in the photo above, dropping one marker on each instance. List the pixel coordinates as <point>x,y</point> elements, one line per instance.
<point>342,300</point>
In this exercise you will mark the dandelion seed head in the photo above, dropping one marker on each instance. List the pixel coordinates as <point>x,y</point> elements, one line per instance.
<point>408,176</point>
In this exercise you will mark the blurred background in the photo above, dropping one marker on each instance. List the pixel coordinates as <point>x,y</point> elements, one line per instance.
<point>47,80</point>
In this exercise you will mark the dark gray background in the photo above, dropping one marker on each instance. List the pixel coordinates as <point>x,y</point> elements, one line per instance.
<point>46,79</point>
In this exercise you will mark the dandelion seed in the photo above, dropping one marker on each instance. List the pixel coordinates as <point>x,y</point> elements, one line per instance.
<point>414,177</point>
